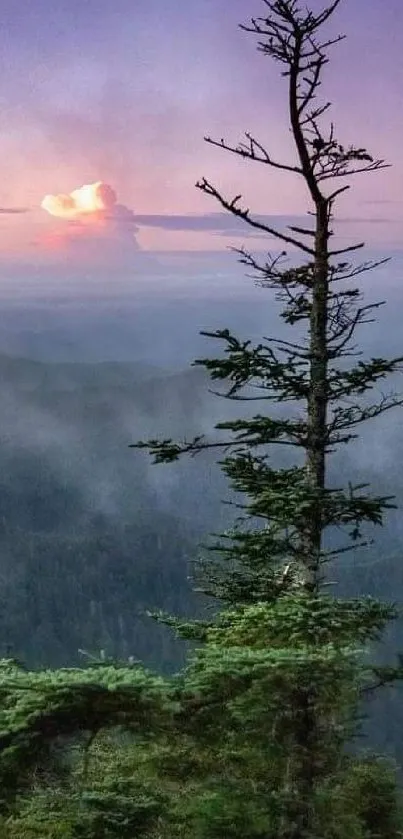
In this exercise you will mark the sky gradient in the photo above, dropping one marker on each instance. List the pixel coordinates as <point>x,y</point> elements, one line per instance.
<point>123,93</point>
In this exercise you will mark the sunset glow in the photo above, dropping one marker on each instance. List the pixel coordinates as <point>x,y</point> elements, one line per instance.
<point>99,148</point>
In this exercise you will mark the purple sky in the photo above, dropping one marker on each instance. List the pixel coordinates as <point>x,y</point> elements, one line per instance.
<point>124,92</point>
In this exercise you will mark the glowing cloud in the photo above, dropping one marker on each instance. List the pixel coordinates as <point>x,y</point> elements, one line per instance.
<point>95,226</point>
<point>87,199</point>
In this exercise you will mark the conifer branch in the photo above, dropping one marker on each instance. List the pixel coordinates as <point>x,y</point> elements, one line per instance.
<point>253,151</point>
<point>206,187</point>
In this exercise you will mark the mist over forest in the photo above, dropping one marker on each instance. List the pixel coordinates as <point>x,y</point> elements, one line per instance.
<point>92,533</point>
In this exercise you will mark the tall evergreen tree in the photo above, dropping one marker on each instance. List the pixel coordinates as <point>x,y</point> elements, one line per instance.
<point>286,552</point>
<point>296,504</point>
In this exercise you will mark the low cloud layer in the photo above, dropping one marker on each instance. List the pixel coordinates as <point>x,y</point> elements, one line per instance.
<point>226,223</point>
<point>12,211</point>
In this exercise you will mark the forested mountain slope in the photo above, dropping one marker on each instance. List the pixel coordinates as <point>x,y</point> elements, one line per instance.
<point>92,533</point>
